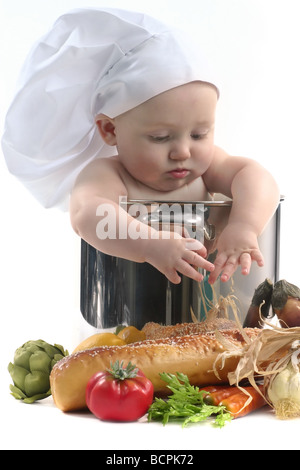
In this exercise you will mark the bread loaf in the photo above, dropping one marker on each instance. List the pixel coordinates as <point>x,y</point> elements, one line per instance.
<point>193,355</point>
<point>156,331</point>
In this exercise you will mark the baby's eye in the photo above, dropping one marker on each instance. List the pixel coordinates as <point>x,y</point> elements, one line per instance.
<point>199,136</point>
<point>159,138</point>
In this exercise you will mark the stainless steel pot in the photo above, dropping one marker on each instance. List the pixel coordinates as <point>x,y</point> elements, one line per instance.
<point>116,291</point>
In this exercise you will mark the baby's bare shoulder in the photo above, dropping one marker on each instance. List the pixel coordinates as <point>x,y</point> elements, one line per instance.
<point>100,178</point>
<point>98,170</point>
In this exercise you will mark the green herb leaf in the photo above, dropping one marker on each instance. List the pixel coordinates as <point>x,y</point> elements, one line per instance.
<point>186,404</point>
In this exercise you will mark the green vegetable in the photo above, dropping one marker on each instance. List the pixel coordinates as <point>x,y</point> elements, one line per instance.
<point>31,368</point>
<point>186,404</point>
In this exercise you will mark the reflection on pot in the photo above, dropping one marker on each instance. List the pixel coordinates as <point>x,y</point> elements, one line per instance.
<point>116,291</point>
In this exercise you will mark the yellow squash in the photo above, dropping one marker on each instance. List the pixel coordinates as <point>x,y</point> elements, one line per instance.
<point>130,334</point>
<point>100,339</point>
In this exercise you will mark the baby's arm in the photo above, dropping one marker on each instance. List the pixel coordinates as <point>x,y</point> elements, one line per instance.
<point>99,186</point>
<point>255,198</point>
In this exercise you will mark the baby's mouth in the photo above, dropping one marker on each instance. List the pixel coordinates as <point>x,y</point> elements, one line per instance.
<point>179,172</point>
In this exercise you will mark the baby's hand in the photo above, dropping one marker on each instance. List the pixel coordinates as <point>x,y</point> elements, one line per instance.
<point>172,254</point>
<point>237,246</point>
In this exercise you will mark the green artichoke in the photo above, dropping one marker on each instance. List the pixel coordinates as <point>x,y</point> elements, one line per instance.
<point>31,369</point>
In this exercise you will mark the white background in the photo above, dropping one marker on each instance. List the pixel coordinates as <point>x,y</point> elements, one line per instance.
<point>254,45</point>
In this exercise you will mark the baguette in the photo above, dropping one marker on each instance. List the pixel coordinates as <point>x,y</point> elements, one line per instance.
<point>193,355</point>
<point>156,331</point>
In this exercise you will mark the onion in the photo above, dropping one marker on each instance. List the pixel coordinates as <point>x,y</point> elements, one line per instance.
<point>283,389</point>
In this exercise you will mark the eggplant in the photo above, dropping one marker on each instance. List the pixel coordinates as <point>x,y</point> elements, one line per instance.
<point>286,303</point>
<point>262,295</point>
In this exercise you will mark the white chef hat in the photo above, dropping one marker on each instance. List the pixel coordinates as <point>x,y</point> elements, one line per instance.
<point>92,61</point>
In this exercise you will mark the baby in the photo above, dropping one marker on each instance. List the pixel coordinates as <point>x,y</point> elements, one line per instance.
<point>116,104</point>
<point>166,151</point>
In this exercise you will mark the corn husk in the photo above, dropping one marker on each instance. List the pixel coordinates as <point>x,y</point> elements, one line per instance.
<point>261,358</point>
<point>219,306</point>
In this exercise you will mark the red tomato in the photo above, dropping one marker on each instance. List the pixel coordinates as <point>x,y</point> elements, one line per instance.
<point>119,394</point>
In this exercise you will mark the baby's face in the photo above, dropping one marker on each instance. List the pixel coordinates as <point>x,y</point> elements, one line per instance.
<point>167,141</point>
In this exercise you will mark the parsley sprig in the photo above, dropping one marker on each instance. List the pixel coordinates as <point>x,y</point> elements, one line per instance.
<point>186,404</point>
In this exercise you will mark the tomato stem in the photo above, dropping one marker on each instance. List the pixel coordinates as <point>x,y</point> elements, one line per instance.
<point>119,372</point>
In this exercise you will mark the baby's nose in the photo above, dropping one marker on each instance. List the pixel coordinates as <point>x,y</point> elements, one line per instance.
<point>180,151</point>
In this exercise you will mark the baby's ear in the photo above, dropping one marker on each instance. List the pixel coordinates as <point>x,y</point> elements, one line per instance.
<point>106,127</point>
